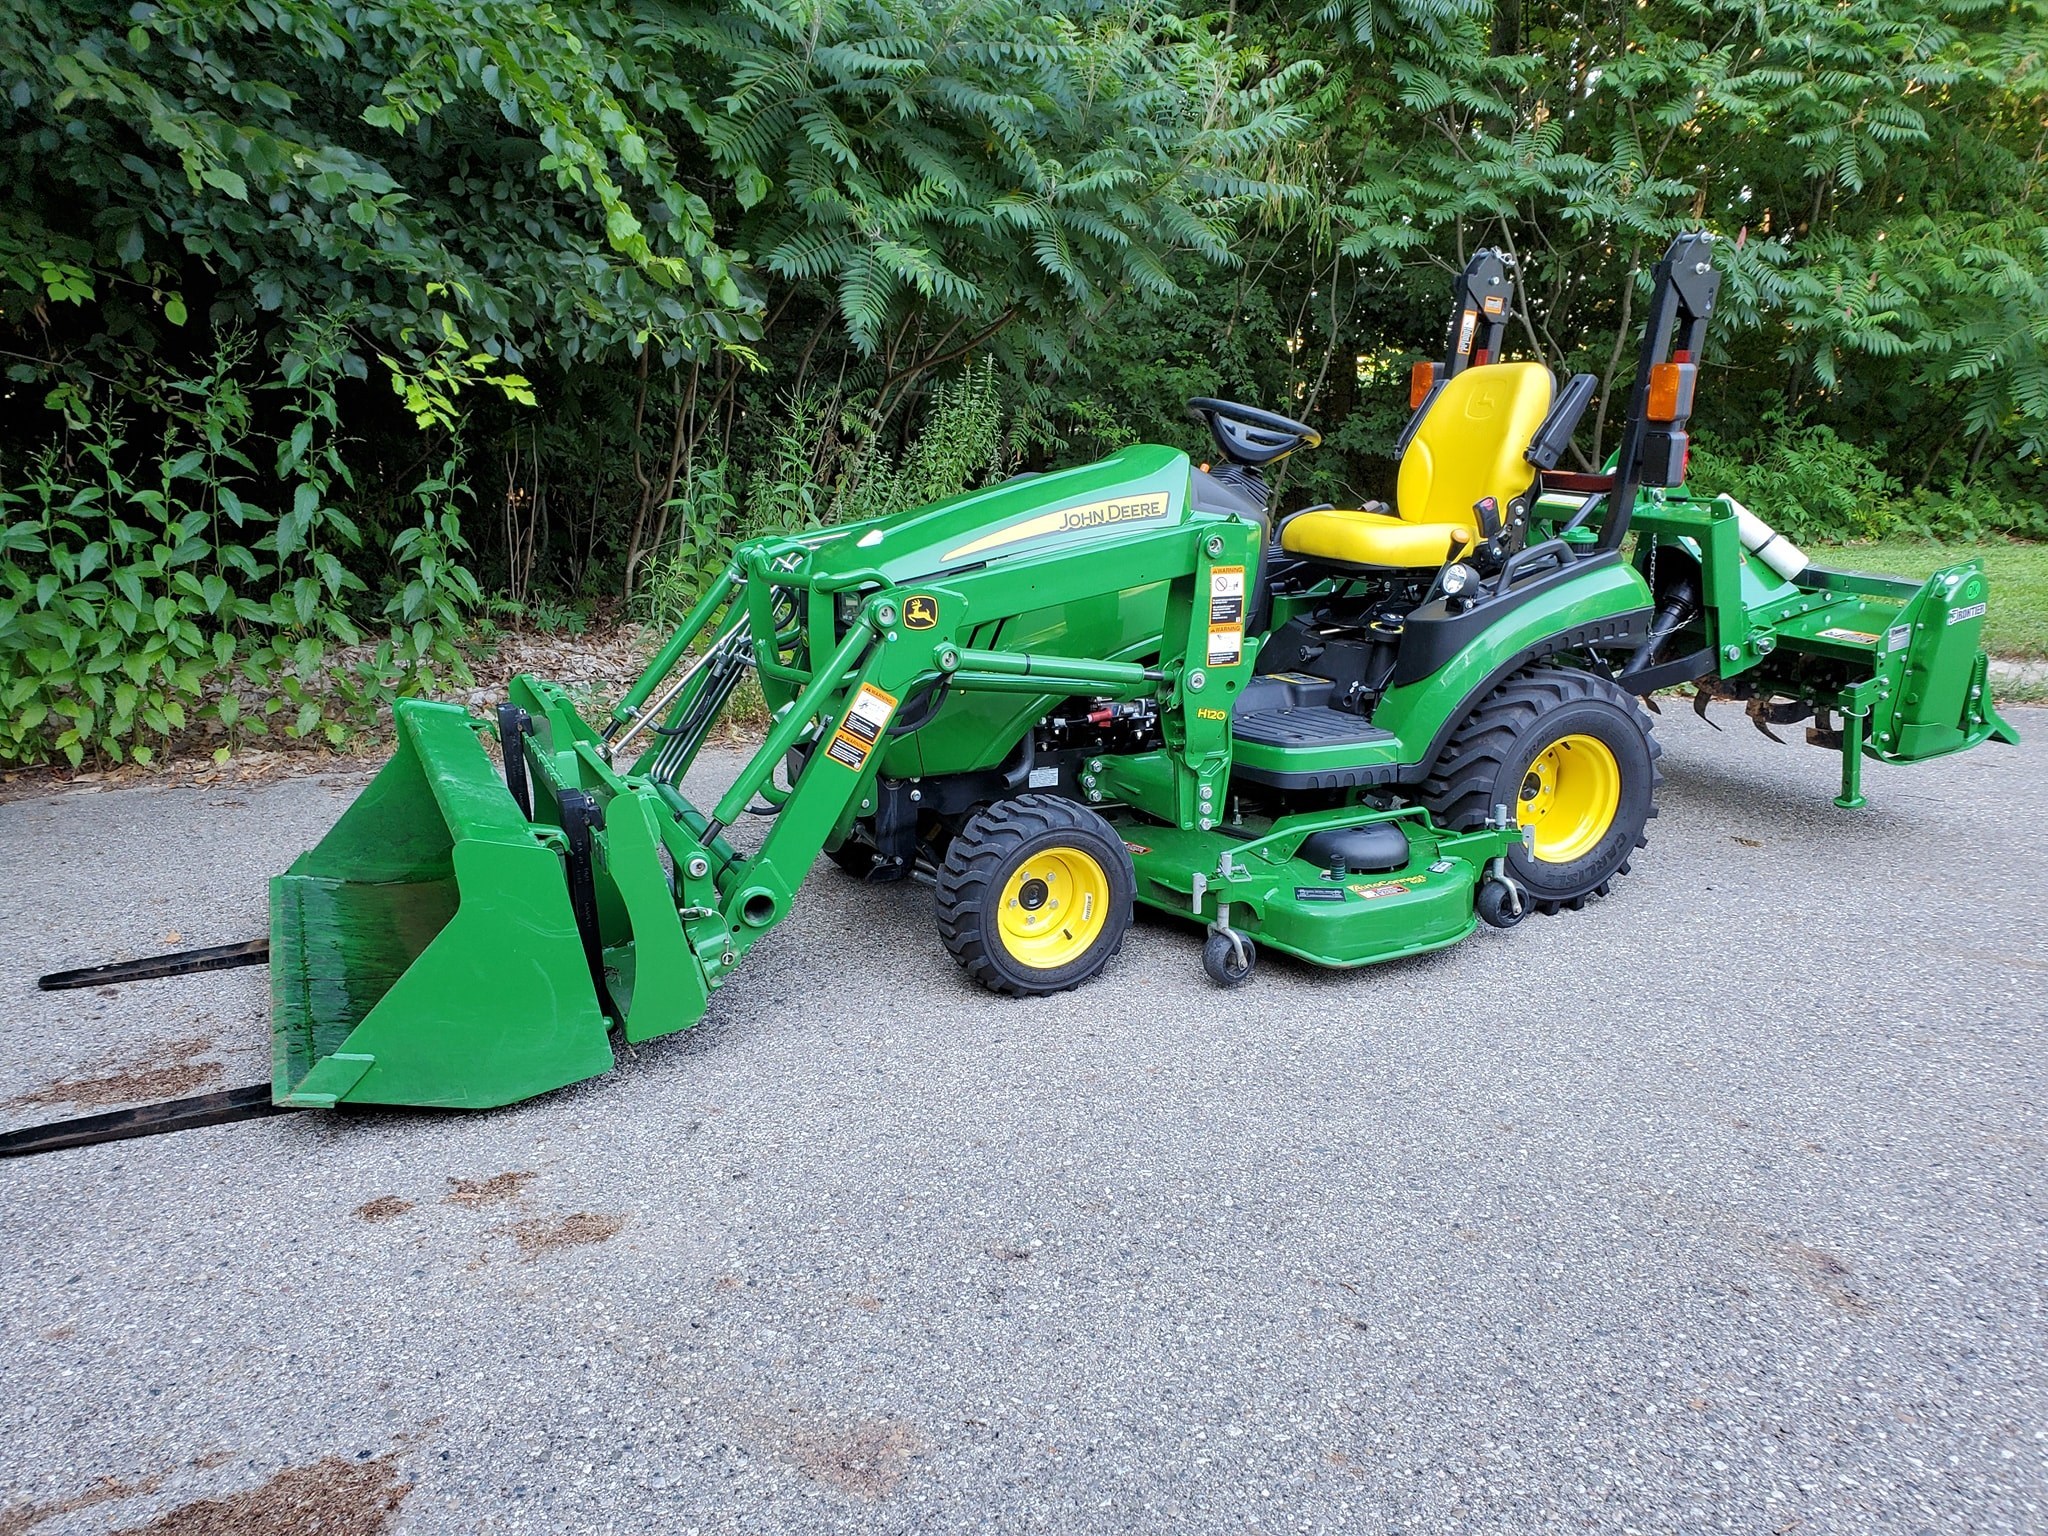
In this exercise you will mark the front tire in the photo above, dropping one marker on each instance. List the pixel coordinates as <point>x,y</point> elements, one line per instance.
<point>1035,895</point>
<point>1572,756</point>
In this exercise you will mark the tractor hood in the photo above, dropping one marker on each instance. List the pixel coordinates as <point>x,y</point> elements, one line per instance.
<point>1140,489</point>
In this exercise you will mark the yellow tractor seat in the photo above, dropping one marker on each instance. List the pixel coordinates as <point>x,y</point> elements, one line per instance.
<point>1470,446</point>
<point>1371,538</point>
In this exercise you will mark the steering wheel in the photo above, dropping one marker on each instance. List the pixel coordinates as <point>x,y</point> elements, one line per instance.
<point>1249,436</point>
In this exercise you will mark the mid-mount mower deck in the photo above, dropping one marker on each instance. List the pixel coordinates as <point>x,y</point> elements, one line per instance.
<point>1349,736</point>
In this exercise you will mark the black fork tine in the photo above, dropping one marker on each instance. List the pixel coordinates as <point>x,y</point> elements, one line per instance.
<point>183,962</point>
<point>223,1108</point>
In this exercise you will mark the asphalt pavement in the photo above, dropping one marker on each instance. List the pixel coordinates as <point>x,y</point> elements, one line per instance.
<point>1716,1207</point>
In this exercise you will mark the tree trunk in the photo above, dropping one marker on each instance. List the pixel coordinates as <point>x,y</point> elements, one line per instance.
<point>1628,306</point>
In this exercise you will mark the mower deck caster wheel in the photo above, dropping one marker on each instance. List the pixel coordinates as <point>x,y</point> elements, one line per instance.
<point>1228,958</point>
<point>1499,904</point>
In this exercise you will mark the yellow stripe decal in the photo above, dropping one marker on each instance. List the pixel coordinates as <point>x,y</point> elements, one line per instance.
<point>1095,514</point>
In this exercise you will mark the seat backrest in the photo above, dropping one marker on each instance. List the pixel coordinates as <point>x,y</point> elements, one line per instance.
<point>1472,442</point>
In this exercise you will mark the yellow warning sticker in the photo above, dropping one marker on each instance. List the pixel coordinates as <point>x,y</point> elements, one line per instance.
<point>1226,615</point>
<point>866,718</point>
<point>1398,887</point>
<point>1855,636</point>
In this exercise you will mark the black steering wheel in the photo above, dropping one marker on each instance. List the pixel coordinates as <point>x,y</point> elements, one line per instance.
<point>1249,436</point>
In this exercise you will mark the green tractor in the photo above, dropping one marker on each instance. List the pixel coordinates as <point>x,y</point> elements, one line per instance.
<point>1347,734</point>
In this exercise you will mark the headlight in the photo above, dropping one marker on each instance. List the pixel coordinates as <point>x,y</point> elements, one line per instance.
<point>1460,581</point>
<point>846,608</point>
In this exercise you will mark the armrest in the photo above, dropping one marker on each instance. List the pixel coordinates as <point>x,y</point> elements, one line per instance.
<point>1555,435</point>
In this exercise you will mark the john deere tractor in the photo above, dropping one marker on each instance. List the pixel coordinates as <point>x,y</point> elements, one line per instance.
<point>1347,734</point>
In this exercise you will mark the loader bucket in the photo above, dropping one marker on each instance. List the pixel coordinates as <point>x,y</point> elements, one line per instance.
<point>425,951</point>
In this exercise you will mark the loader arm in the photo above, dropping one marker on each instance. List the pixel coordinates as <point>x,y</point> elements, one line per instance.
<point>584,889</point>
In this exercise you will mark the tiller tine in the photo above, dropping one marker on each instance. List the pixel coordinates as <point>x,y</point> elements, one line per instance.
<point>426,951</point>
<point>1765,713</point>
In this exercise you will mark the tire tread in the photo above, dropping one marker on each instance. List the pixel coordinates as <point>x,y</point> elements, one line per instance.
<point>966,882</point>
<point>1461,788</point>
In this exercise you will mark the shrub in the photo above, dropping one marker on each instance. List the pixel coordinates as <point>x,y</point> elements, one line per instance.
<point>1804,481</point>
<point>146,586</point>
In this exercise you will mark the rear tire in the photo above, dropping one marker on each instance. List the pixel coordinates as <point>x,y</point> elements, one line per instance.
<point>1570,754</point>
<point>1035,895</point>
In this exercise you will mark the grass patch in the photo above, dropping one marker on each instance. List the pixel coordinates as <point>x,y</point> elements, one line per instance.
<point>2016,624</point>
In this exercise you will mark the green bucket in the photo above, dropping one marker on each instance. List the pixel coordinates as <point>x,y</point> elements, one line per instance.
<point>425,952</point>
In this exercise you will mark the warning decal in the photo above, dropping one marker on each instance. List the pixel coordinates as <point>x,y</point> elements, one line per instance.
<point>1226,615</point>
<point>1853,636</point>
<point>1399,887</point>
<point>1493,304</point>
<point>1466,321</point>
<point>865,720</point>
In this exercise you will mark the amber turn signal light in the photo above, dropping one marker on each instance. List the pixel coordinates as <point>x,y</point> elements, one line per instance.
<point>1670,396</point>
<point>1421,380</point>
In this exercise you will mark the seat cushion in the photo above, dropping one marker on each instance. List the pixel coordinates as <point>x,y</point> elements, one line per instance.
<point>1371,538</point>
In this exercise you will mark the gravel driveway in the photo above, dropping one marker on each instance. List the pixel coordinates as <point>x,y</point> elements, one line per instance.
<point>1716,1207</point>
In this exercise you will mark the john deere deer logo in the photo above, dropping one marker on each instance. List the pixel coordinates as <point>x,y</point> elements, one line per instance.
<point>921,612</point>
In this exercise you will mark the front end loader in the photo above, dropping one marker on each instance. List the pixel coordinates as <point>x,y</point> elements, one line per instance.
<point>1029,689</point>
<point>1346,734</point>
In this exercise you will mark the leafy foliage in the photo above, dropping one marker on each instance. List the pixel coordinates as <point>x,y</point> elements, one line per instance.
<point>132,608</point>
<point>961,443</point>
<point>296,297</point>
<point>1816,486</point>
<point>982,160</point>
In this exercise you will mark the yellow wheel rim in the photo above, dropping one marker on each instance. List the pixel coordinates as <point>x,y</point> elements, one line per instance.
<point>1569,797</point>
<point>1054,906</point>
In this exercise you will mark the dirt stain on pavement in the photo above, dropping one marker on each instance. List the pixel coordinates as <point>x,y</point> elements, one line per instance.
<point>496,1190</point>
<point>867,1461</point>
<point>165,1071</point>
<point>18,1518</point>
<point>1827,1276</point>
<point>383,1208</point>
<point>548,1234</point>
<point>334,1497</point>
